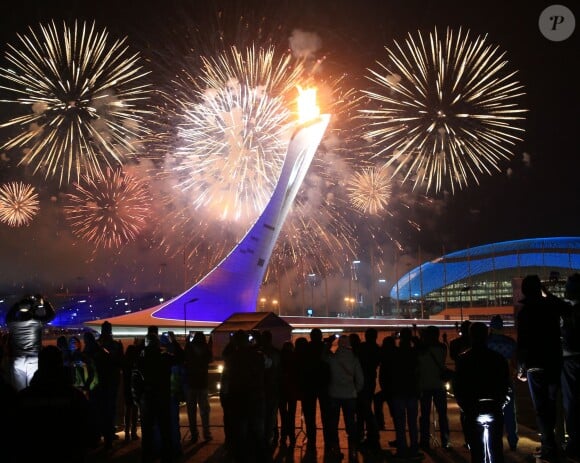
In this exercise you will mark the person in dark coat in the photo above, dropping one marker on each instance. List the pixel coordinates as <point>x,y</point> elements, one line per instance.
<point>314,386</point>
<point>506,346</point>
<point>405,389</point>
<point>571,366</point>
<point>385,394</point>
<point>108,363</point>
<point>53,417</point>
<point>151,385</point>
<point>539,357</point>
<point>272,388</point>
<point>246,364</point>
<point>289,393</point>
<point>369,355</point>
<point>481,389</point>
<point>198,357</point>
<point>131,409</point>
<point>8,407</point>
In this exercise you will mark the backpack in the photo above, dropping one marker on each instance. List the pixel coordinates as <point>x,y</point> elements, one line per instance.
<point>85,375</point>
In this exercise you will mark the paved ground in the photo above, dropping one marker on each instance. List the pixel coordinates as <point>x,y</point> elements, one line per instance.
<point>213,451</point>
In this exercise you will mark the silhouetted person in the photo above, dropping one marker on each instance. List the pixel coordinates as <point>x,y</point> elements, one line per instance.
<point>272,388</point>
<point>53,417</point>
<point>369,356</point>
<point>432,357</point>
<point>315,376</point>
<point>245,364</point>
<point>198,356</point>
<point>108,363</point>
<point>385,394</point>
<point>131,408</point>
<point>506,346</point>
<point>405,389</point>
<point>25,321</point>
<point>170,347</point>
<point>289,393</point>
<point>151,385</point>
<point>571,366</point>
<point>91,353</point>
<point>481,388</point>
<point>539,354</point>
<point>456,347</point>
<point>8,407</point>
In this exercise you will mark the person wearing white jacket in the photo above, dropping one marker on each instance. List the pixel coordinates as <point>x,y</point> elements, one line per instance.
<point>346,381</point>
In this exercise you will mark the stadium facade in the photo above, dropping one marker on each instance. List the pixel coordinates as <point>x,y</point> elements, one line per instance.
<point>487,275</point>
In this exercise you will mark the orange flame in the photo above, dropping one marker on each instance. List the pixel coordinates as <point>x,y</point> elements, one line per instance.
<point>307,107</point>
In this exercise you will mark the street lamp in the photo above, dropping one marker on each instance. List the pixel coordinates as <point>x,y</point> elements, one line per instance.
<point>349,302</point>
<point>275,305</point>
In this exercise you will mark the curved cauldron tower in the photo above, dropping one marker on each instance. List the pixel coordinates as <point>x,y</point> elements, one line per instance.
<point>234,284</point>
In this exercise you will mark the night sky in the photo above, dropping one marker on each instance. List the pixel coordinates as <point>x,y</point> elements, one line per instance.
<point>536,194</point>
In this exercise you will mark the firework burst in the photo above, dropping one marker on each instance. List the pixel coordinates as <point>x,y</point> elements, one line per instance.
<point>83,91</point>
<point>18,204</point>
<point>448,109</point>
<point>370,190</point>
<point>109,210</point>
<point>234,111</point>
<point>318,236</point>
<point>233,130</point>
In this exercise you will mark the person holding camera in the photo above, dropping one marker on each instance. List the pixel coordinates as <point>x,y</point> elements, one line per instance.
<point>25,321</point>
<point>198,357</point>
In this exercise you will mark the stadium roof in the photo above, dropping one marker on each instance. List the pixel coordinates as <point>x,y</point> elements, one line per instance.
<point>562,253</point>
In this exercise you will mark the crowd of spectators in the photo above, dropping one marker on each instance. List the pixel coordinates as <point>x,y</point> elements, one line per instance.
<point>65,395</point>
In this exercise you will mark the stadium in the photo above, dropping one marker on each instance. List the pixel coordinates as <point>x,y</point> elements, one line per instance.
<point>484,280</point>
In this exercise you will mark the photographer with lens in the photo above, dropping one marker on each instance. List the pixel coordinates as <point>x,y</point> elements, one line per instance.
<point>25,321</point>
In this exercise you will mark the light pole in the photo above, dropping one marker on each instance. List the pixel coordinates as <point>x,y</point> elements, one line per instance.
<point>185,315</point>
<point>355,276</point>
<point>461,291</point>
<point>382,284</point>
<point>312,281</point>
